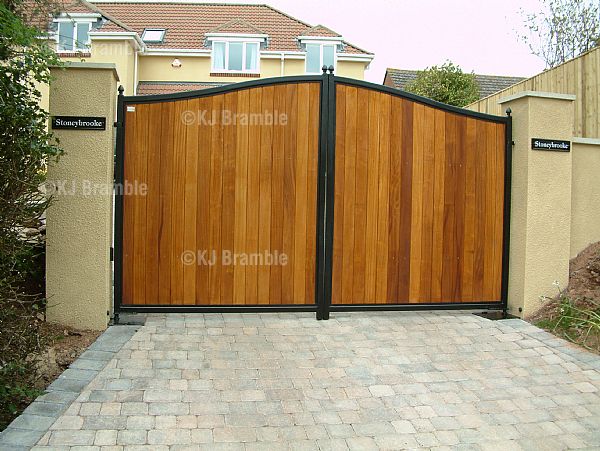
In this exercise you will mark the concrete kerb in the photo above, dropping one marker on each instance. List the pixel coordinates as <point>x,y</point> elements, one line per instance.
<point>27,429</point>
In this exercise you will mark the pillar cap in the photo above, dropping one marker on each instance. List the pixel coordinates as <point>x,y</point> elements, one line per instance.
<point>539,94</point>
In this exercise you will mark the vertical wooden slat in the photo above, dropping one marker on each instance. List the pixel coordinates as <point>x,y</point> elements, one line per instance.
<point>490,196</point>
<point>241,199</point>
<point>383,197</point>
<point>449,256</point>
<point>201,161</point>
<point>300,209</point>
<point>499,214</point>
<point>264,208</point>
<point>193,231</point>
<point>372,216</point>
<point>470,202</point>
<point>405,233</point>
<point>437,254</point>
<point>394,206</point>
<point>177,211</point>
<point>253,202</point>
<point>360,197</point>
<point>311,192</point>
<point>129,203</point>
<point>480,213</point>
<point>340,171</point>
<point>289,196</point>
<point>459,215</point>
<point>215,212</point>
<point>278,152</point>
<point>166,189</point>
<point>140,179</point>
<point>349,193</point>
<point>428,206</point>
<point>228,211</point>
<point>153,203</point>
<point>416,236</point>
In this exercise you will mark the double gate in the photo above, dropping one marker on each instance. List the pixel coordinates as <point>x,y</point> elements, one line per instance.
<point>314,193</point>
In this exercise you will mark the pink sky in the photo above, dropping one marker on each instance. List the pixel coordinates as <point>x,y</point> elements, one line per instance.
<point>478,35</point>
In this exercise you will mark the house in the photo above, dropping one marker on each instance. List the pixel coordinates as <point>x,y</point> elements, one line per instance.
<point>578,76</point>
<point>488,84</point>
<point>171,47</point>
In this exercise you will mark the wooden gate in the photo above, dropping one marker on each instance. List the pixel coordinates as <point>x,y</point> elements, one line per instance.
<point>314,193</point>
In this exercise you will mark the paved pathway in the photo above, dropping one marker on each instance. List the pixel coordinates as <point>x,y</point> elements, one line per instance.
<point>359,381</point>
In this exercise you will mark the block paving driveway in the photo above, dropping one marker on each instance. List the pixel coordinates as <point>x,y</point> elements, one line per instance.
<point>359,381</point>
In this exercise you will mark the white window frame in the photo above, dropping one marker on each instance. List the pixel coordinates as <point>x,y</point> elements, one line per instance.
<point>227,41</point>
<point>320,44</point>
<point>76,23</point>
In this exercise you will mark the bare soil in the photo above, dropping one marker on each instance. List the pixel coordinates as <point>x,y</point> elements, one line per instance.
<point>584,293</point>
<point>64,346</point>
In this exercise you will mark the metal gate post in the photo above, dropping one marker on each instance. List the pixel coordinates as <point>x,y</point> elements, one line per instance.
<point>325,194</point>
<point>118,187</point>
<point>506,218</point>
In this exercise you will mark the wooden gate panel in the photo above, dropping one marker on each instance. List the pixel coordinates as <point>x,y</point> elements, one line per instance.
<point>418,212</point>
<point>243,188</point>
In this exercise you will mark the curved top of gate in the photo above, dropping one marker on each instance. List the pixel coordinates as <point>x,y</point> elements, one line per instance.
<point>420,99</point>
<point>222,89</point>
<point>312,78</point>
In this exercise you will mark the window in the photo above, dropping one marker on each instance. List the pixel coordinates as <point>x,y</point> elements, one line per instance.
<point>235,56</point>
<point>73,36</point>
<point>153,35</point>
<point>319,55</point>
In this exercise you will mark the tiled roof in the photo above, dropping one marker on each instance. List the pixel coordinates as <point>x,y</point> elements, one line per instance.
<point>187,23</point>
<point>237,26</point>
<point>145,88</point>
<point>488,84</point>
<point>321,30</point>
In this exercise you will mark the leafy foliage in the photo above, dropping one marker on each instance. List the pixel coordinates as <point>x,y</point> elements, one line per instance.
<point>446,83</point>
<point>26,146</point>
<point>563,30</point>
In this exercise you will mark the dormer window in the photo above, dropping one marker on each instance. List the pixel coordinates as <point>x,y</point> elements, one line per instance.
<point>73,35</point>
<point>235,56</point>
<point>153,35</point>
<point>319,55</point>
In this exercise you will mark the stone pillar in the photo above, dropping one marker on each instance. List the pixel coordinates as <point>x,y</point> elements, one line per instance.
<point>79,222</point>
<point>540,201</point>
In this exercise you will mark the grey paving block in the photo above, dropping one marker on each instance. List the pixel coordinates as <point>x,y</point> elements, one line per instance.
<point>19,437</point>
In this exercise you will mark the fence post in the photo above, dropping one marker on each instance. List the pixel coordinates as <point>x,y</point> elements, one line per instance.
<point>540,199</point>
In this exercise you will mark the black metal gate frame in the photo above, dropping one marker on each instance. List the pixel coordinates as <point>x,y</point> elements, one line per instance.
<point>325,201</point>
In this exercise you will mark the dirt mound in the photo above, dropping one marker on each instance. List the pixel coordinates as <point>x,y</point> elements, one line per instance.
<point>574,313</point>
<point>584,275</point>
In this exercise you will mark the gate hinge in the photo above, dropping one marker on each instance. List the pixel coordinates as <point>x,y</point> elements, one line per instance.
<point>118,124</point>
<point>112,254</point>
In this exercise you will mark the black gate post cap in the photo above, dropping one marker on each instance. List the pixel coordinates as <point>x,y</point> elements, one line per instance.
<point>121,90</point>
<point>324,69</point>
<point>508,111</point>
<point>330,69</point>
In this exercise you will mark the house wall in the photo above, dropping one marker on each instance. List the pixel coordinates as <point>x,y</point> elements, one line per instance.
<point>351,69</point>
<point>198,68</point>
<point>118,52</point>
<point>579,76</point>
<point>585,194</point>
<point>194,68</point>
